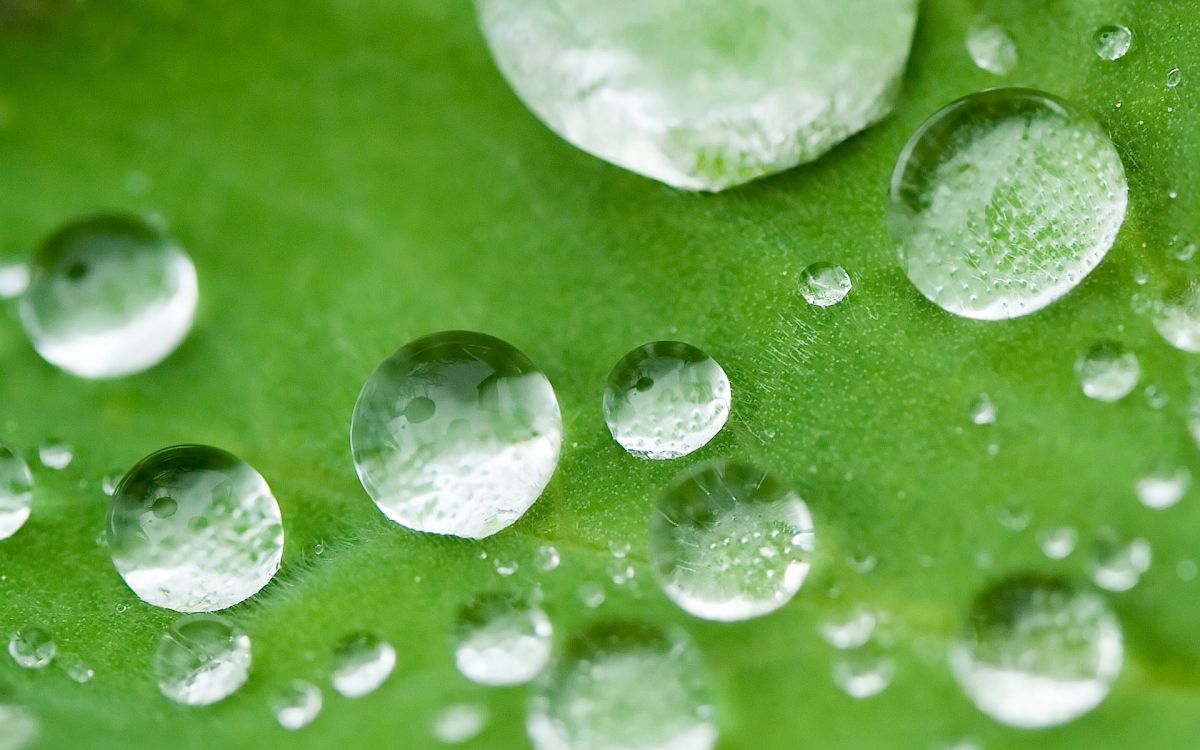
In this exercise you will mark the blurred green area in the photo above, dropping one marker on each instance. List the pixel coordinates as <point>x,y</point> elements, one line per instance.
<point>350,174</point>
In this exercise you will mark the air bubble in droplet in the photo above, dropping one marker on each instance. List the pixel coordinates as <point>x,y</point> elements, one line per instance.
<point>501,640</point>
<point>202,659</point>
<point>361,663</point>
<point>1107,371</point>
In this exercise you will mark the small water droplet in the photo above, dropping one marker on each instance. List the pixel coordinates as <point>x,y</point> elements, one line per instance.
<point>1107,371</point>
<point>19,727</point>
<point>619,548</point>
<point>202,659</point>
<point>16,492</point>
<point>502,639</point>
<point>32,648</point>
<point>983,409</point>
<point>591,594</point>
<point>14,277</point>
<point>824,284</point>
<point>75,668</point>
<point>1057,542</point>
<point>548,558</point>
<point>1112,42</point>
<point>863,672</point>
<point>1163,487</point>
<point>459,722</point>
<point>1176,315</point>
<point>297,705</point>
<point>991,48</point>
<point>1014,517</point>
<point>55,454</point>
<point>361,663</point>
<point>850,628</point>
<point>1118,562</point>
<point>108,484</point>
<point>1174,77</point>
<point>505,566</point>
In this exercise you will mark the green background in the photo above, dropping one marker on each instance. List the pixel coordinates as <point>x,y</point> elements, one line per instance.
<point>350,174</point>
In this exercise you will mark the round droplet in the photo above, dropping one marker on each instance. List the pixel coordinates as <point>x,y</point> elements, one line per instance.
<point>458,723</point>
<point>1176,316</point>
<point>16,492</point>
<point>703,96</point>
<point>1037,652</point>
<point>849,628</point>
<point>32,648</point>
<point>297,705</point>
<point>591,594</point>
<point>1107,371</point>
<point>19,727</point>
<point>1163,487</point>
<point>1058,542</point>
<point>501,640</point>
<point>666,400</point>
<point>729,541</point>
<point>56,454</point>
<point>1003,201</point>
<point>983,409</point>
<point>1112,42</point>
<point>483,445</point>
<point>1117,561</point>
<point>361,663</point>
<point>548,558</point>
<point>202,659</point>
<point>624,686</point>
<point>194,529</point>
<point>992,49</point>
<point>863,672</point>
<point>1174,77</point>
<point>109,296</point>
<point>824,284</point>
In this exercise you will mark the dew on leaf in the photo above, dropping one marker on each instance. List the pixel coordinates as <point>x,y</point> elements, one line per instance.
<point>202,659</point>
<point>361,662</point>
<point>501,639</point>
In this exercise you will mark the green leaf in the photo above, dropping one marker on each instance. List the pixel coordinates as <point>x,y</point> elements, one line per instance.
<point>350,175</point>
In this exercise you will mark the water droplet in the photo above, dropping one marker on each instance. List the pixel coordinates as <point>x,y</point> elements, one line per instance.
<point>1058,542</point>
<point>621,572</point>
<point>482,448</point>
<point>591,594</point>
<point>1003,201</point>
<point>1174,77</point>
<point>1037,653</point>
<point>824,284</point>
<point>992,49</point>
<point>202,659</point>
<point>729,541</point>
<point>109,296</point>
<point>1176,316</point>
<point>16,492</point>
<point>619,548</point>
<point>983,409</point>
<point>548,558</point>
<point>108,484</point>
<point>1107,371</point>
<point>75,668</point>
<point>624,686</point>
<point>705,96</point>
<point>1163,487</point>
<point>459,722</point>
<point>194,529</point>
<point>666,400</point>
<point>55,454</point>
<point>1156,398</point>
<point>32,648</point>
<point>502,640</point>
<point>14,277</point>
<point>850,628</point>
<point>19,727</point>
<point>1014,517</point>
<point>361,663</point>
<point>1112,42</point>
<point>863,672</point>
<point>1118,562</point>
<point>297,705</point>
<point>505,566</point>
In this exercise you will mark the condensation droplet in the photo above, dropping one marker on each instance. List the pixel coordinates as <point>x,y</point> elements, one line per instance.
<point>824,284</point>
<point>55,454</point>
<point>1163,487</point>
<point>1107,371</point>
<point>20,728</point>
<point>1112,42</point>
<point>361,663</point>
<point>983,409</point>
<point>297,705</point>
<point>75,668</point>
<point>501,639</point>
<point>992,48</point>
<point>548,558</point>
<point>16,492</point>
<point>1118,562</point>
<point>202,659</point>
<point>1174,77</point>
<point>850,628</point>
<point>1057,542</point>
<point>458,723</point>
<point>863,672</point>
<point>32,648</point>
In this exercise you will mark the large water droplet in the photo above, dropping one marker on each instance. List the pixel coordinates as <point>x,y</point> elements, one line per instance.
<point>1112,42</point>
<point>1003,201</point>
<point>502,640</point>
<point>456,433</point>
<point>109,296</point>
<point>992,49</point>
<point>1107,371</point>
<point>297,705</point>
<point>666,400</point>
<point>361,663</point>
<point>194,529</point>
<point>624,686</point>
<point>202,659</point>
<point>1117,561</point>
<point>458,723</point>
<point>32,648</point>
<point>703,96</point>
<point>1037,652</point>
<point>19,727</point>
<point>729,541</point>
<point>16,492</point>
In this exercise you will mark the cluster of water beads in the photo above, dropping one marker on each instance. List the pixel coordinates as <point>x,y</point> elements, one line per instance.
<point>202,659</point>
<point>194,529</point>
<point>108,296</point>
<point>1037,652</point>
<point>1107,371</point>
<point>1112,42</point>
<point>1118,561</point>
<point>502,639</point>
<point>16,492</point>
<point>992,48</point>
<point>665,400</point>
<point>824,284</point>
<point>457,723</point>
<point>361,662</point>
<point>456,433</point>
<point>1163,487</point>
<point>297,704</point>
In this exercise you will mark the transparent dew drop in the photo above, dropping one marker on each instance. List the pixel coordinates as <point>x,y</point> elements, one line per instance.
<point>194,529</point>
<point>109,296</point>
<point>548,558</point>
<point>14,277</point>
<point>32,648</point>
<point>1163,487</point>
<point>729,541</point>
<point>202,659</point>
<point>75,668</point>
<point>1176,316</point>
<point>109,482</point>
<point>1174,77</point>
<point>1112,42</point>
<point>297,705</point>
<point>1037,652</point>
<point>1107,371</point>
<point>55,454</point>
<point>824,284</point>
<point>20,728</point>
<point>456,433</point>
<point>665,400</point>
<point>991,48</point>
<point>624,686</point>
<point>501,639</point>
<point>849,628</point>
<point>591,594</point>
<point>863,672</point>
<point>1057,542</point>
<point>1118,562</point>
<point>458,723</point>
<point>16,492</point>
<point>505,566</point>
<point>703,96</point>
<point>983,409</point>
<point>361,663</point>
<point>1003,201</point>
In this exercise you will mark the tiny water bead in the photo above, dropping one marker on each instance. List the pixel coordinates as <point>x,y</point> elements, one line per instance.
<point>456,433</point>
<point>730,541</point>
<point>824,284</point>
<point>458,723</point>
<point>502,640</point>
<point>1037,652</point>
<point>16,492</point>
<point>991,48</point>
<point>983,409</point>
<point>548,558</point>
<point>56,454</point>
<point>32,648</point>
<point>297,705</point>
<point>665,400</point>
<point>1057,542</point>
<point>1176,316</point>
<point>109,296</point>
<point>1107,371</point>
<point>1174,77</point>
<point>863,672</point>
<point>75,668</point>
<point>1163,487</point>
<point>1003,201</point>
<point>624,686</point>
<point>361,662</point>
<point>1117,561</point>
<point>847,629</point>
<point>194,529</point>
<point>202,659</point>
<point>20,728</point>
<point>1112,42</point>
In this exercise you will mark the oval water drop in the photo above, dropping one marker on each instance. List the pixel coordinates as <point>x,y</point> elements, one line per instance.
<point>202,659</point>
